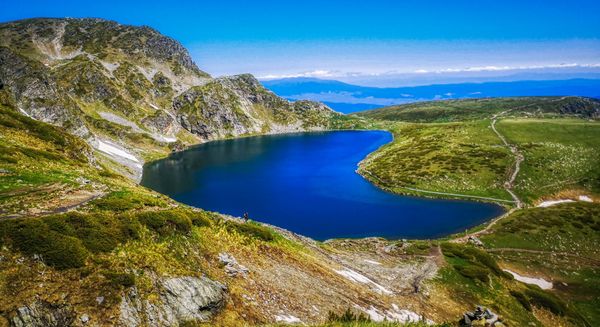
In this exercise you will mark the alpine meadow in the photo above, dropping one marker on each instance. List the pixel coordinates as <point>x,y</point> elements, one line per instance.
<point>313,164</point>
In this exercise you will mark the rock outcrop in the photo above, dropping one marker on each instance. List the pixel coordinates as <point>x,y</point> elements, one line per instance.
<point>43,314</point>
<point>232,106</point>
<point>181,299</point>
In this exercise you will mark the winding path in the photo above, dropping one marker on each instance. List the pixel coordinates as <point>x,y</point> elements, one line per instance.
<point>509,184</point>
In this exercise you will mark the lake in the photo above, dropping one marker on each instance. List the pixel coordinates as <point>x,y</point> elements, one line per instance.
<point>307,183</point>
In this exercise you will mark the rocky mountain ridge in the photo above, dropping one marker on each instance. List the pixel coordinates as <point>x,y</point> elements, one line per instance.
<point>133,93</point>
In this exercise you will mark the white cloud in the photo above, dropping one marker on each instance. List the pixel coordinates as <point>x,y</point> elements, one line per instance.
<point>314,73</point>
<point>321,73</point>
<point>504,68</point>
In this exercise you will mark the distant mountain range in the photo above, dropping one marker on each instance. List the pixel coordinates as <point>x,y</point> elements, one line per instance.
<point>346,98</point>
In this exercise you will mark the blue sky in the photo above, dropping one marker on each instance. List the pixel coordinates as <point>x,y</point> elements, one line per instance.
<point>350,39</point>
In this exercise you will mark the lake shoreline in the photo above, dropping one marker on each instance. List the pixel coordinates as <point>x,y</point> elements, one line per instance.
<point>354,149</point>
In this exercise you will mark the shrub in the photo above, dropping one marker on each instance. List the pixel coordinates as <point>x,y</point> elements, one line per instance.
<point>115,204</point>
<point>166,222</point>
<point>543,299</point>
<point>474,272</point>
<point>200,219</point>
<point>347,316</point>
<point>126,200</point>
<point>123,279</point>
<point>33,237</point>
<point>251,229</point>
<point>522,298</point>
<point>64,241</point>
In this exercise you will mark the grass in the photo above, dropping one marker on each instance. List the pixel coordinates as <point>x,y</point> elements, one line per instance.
<point>564,238</point>
<point>464,158</point>
<point>559,154</point>
<point>570,228</point>
<point>477,109</point>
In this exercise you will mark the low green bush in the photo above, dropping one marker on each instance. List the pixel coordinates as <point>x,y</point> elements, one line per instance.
<point>200,219</point>
<point>522,298</point>
<point>543,299</point>
<point>251,229</point>
<point>166,222</point>
<point>122,279</point>
<point>33,237</point>
<point>347,316</point>
<point>121,201</point>
<point>473,272</point>
<point>475,263</point>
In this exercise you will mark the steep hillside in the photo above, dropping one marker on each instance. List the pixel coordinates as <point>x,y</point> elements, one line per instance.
<point>132,93</point>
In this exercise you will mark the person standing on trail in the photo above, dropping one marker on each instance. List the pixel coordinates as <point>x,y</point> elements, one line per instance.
<point>246,217</point>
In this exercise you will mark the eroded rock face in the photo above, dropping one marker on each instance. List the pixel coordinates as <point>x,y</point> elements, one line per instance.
<point>161,122</point>
<point>43,314</point>
<point>236,105</point>
<point>31,88</point>
<point>182,299</point>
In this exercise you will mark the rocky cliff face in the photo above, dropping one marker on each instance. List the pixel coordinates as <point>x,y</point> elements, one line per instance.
<point>238,105</point>
<point>132,92</point>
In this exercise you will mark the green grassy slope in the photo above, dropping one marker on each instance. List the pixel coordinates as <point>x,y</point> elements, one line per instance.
<point>465,158</point>
<point>560,154</point>
<point>559,244</point>
<point>449,147</point>
<point>473,109</point>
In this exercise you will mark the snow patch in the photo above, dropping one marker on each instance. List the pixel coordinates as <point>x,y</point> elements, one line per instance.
<point>119,120</point>
<point>24,112</point>
<point>113,150</point>
<point>547,204</point>
<point>542,283</point>
<point>358,278</point>
<point>162,138</point>
<point>585,198</point>
<point>394,315</point>
<point>288,319</point>
<point>111,67</point>
<point>372,262</point>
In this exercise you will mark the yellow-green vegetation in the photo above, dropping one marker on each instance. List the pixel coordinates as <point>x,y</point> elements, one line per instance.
<point>448,148</point>
<point>559,154</point>
<point>559,243</point>
<point>465,158</point>
<point>474,276</point>
<point>476,109</point>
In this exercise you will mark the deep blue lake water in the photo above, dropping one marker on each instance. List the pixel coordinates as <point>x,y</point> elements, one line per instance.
<point>306,183</point>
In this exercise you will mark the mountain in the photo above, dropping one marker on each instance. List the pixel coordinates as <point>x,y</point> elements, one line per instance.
<point>349,98</point>
<point>133,93</point>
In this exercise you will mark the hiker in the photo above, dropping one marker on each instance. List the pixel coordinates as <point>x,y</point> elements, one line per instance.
<point>246,217</point>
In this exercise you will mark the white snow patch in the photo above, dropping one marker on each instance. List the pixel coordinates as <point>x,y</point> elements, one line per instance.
<point>288,319</point>
<point>358,278</point>
<point>394,315</point>
<point>585,198</point>
<point>115,151</point>
<point>547,204</point>
<point>372,262</point>
<point>162,138</point>
<point>542,283</point>
<point>111,67</point>
<point>24,112</point>
<point>119,120</point>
